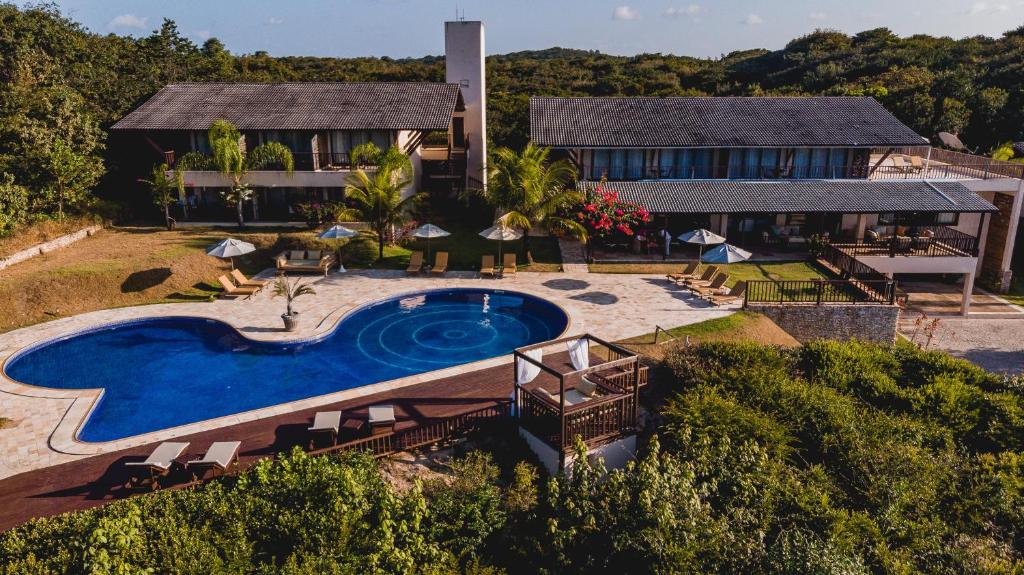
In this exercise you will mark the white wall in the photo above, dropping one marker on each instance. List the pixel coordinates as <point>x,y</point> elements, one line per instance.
<point>615,454</point>
<point>417,162</point>
<point>464,65</point>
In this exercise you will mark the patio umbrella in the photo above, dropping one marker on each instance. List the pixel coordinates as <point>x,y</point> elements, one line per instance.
<point>428,231</point>
<point>338,232</point>
<point>726,254</point>
<point>702,238</point>
<point>501,233</point>
<point>230,248</point>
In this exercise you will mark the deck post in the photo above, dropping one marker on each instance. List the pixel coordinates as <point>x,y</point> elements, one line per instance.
<point>515,386</point>
<point>561,421</point>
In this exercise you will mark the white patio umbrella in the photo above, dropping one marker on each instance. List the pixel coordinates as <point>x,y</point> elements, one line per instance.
<point>428,231</point>
<point>726,254</point>
<point>501,233</point>
<point>338,232</point>
<point>702,238</point>
<point>230,248</point>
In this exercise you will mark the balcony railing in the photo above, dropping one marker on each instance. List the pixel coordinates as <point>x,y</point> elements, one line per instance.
<point>926,241</point>
<point>942,164</point>
<point>821,292</point>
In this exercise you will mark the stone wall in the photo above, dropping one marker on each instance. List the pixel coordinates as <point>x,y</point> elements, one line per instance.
<point>998,232</point>
<point>55,244</point>
<point>809,322</point>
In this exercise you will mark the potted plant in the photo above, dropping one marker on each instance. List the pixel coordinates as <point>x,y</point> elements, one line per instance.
<point>290,291</point>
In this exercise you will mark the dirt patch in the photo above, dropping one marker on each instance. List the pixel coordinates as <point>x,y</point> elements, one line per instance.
<point>126,266</point>
<point>6,422</point>
<point>741,326</point>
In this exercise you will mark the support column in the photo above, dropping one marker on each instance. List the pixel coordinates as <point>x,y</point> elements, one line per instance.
<point>723,224</point>
<point>1011,239</point>
<point>965,303</point>
<point>862,224</point>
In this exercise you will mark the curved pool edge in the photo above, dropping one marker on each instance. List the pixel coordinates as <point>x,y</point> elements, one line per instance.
<point>64,437</point>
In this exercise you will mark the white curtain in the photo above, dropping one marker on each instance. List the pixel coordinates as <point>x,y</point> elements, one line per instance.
<point>579,352</point>
<point>526,371</point>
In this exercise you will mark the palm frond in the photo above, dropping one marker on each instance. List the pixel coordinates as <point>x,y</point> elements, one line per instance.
<point>270,154</point>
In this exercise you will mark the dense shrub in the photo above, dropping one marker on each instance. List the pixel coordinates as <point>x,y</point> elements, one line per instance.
<point>361,250</point>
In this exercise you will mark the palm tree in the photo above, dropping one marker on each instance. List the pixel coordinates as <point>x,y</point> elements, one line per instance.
<point>162,189</point>
<point>227,157</point>
<point>378,195</point>
<point>529,191</point>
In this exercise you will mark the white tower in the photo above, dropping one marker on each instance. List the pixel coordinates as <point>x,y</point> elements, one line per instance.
<point>464,65</point>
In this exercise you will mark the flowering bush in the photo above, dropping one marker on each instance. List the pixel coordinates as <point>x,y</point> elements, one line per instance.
<point>317,212</point>
<point>605,216</point>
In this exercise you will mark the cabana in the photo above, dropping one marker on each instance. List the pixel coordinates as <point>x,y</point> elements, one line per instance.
<point>587,388</point>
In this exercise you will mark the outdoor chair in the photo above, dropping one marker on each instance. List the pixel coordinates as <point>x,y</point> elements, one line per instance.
<point>231,290</point>
<point>687,273</point>
<point>899,165</point>
<point>381,419</point>
<point>415,263</point>
<point>487,266</point>
<point>243,281</point>
<point>715,285</point>
<point>736,293</point>
<point>509,268</point>
<point>916,164</point>
<point>325,423</point>
<point>705,278</point>
<point>219,456</point>
<point>305,261</point>
<point>440,263</point>
<point>158,464</point>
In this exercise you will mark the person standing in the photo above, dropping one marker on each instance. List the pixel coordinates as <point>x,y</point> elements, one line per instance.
<point>666,241</point>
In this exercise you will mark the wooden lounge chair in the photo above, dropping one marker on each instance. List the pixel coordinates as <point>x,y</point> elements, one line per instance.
<point>487,266</point>
<point>509,269</point>
<point>381,419</point>
<point>219,456</point>
<point>715,285</point>
<point>440,263</point>
<point>705,278</point>
<point>243,281</point>
<point>736,293</point>
<point>687,273</point>
<point>415,263</point>
<point>158,464</point>
<point>325,423</point>
<point>916,164</point>
<point>898,164</point>
<point>231,290</point>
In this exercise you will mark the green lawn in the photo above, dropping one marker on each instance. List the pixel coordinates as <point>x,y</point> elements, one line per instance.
<point>746,271</point>
<point>465,249</point>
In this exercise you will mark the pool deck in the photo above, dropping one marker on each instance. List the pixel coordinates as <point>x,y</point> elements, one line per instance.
<point>611,306</point>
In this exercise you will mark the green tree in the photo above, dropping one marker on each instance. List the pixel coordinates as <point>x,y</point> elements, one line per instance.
<point>528,190</point>
<point>13,204</point>
<point>380,195</point>
<point>227,157</point>
<point>954,116</point>
<point>72,173</point>
<point>163,190</point>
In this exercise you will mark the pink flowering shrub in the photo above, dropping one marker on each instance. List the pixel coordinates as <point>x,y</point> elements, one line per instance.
<point>605,216</point>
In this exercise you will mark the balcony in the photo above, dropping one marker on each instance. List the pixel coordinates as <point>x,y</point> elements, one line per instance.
<point>940,164</point>
<point>926,241</point>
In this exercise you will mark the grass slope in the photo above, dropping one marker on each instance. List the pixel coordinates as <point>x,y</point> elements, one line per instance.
<point>738,327</point>
<point>798,270</point>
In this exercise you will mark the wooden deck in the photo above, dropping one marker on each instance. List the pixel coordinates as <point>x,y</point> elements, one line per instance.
<point>97,480</point>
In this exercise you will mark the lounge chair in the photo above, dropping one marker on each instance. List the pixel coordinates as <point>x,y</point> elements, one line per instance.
<point>231,290</point>
<point>509,269</point>
<point>415,263</point>
<point>381,419</point>
<point>713,287</point>
<point>705,278</point>
<point>899,165</point>
<point>687,273</point>
<point>440,263</point>
<point>325,423</point>
<point>219,456</point>
<point>243,281</point>
<point>916,164</point>
<point>159,463</point>
<point>736,293</point>
<point>487,266</point>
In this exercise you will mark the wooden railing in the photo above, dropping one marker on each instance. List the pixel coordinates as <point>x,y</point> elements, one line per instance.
<point>944,241</point>
<point>423,435</point>
<point>600,418</point>
<point>949,164</point>
<point>821,292</point>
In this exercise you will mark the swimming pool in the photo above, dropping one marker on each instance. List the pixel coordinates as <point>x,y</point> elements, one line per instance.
<point>164,372</point>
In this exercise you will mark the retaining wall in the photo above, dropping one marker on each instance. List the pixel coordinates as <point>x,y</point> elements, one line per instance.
<point>876,323</point>
<point>54,244</point>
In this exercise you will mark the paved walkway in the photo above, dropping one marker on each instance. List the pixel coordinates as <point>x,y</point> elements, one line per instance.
<point>994,344</point>
<point>612,306</point>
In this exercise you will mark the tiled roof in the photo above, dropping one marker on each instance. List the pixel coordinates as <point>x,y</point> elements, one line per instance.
<point>716,122</point>
<point>809,196</point>
<point>298,106</point>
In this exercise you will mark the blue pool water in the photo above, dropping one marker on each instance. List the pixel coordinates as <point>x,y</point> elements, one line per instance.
<point>160,373</point>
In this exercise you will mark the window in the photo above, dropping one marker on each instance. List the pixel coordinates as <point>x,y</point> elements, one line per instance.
<point>635,164</point>
<point>684,164</point>
<point>703,159</point>
<point>886,219</point>
<point>602,160</point>
<point>667,163</point>
<point>837,163</point>
<point>735,163</point>
<point>947,218</point>
<point>819,163</point>
<point>769,163</point>
<point>618,165</point>
<point>751,167</point>
<point>801,162</point>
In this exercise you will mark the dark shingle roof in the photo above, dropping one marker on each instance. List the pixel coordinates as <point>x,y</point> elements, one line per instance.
<point>298,106</point>
<point>809,196</point>
<point>716,122</point>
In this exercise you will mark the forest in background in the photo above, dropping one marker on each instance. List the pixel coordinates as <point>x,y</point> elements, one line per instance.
<point>62,85</point>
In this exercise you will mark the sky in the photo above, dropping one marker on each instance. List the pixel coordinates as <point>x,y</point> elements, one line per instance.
<point>413,28</point>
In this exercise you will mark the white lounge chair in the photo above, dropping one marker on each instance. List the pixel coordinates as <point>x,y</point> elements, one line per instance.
<point>382,418</point>
<point>220,455</point>
<point>326,423</point>
<point>159,462</point>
